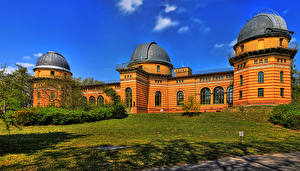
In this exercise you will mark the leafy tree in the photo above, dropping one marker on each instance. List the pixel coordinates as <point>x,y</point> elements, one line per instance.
<point>89,81</point>
<point>190,105</point>
<point>295,78</point>
<point>110,92</point>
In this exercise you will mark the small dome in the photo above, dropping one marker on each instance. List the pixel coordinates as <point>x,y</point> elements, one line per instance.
<point>149,52</point>
<point>262,24</point>
<point>52,60</point>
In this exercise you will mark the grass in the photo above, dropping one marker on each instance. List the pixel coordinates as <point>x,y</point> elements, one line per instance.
<point>155,140</point>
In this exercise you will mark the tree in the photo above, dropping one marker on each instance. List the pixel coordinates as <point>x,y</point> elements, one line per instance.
<point>295,81</point>
<point>190,105</point>
<point>89,81</point>
<point>110,92</point>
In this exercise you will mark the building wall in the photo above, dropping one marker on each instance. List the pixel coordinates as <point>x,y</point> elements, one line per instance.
<point>152,68</point>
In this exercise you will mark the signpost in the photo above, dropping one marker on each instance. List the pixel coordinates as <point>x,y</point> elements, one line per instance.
<point>241,134</point>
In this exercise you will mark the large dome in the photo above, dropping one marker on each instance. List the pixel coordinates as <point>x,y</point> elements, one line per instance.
<point>52,60</point>
<point>262,24</point>
<point>149,52</point>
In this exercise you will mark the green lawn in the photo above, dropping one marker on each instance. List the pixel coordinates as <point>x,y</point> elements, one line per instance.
<point>155,140</point>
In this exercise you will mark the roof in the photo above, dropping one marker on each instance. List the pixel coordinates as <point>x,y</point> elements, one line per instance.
<point>150,52</point>
<point>262,24</point>
<point>52,60</point>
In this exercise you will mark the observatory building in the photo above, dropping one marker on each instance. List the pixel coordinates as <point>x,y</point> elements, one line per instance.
<point>260,76</point>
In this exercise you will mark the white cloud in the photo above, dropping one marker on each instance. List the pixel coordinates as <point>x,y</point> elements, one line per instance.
<point>232,43</point>
<point>162,23</point>
<point>27,65</point>
<point>206,29</point>
<point>285,12</point>
<point>129,6</point>
<point>170,8</point>
<point>38,54</point>
<point>183,29</point>
<point>219,45</point>
<point>9,70</point>
<point>27,57</point>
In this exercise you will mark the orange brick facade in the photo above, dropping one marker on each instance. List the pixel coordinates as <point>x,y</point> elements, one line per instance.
<point>261,76</point>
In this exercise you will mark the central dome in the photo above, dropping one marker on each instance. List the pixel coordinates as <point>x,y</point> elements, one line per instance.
<point>262,24</point>
<point>149,52</point>
<point>52,60</point>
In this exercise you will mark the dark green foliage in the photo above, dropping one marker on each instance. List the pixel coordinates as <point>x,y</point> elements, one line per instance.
<point>61,116</point>
<point>287,115</point>
<point>190,114</point>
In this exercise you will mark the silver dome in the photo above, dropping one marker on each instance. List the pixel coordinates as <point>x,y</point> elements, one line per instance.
<point>262,24</point>
<point>52,60</point>
<point>149,52</point>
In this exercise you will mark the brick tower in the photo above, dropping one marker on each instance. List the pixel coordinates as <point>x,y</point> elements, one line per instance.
<point>261,62</point>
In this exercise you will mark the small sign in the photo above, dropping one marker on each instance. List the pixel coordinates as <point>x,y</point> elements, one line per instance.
<point>161,110</point>
<point>241,133</point>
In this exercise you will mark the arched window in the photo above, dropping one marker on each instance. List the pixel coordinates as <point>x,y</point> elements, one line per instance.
<point>158,68</point>
<point>128,92</point>
<point>38,95</point>
<point>260,77</point>
<point>241,80</point>
<point>92,100</point>
<point>180,98</point>
<point>158,98</point>
<point>100,100</point>
<point>281,76</point>
<point>230,95</point>
<point>218,95</point>
<point>84,100</point>
<point>205,96</point>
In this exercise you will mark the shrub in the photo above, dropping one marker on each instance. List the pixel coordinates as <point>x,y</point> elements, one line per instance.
<point>119,111</point>
<point>287,115</point>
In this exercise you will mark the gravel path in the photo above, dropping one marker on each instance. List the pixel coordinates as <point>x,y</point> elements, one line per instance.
<point>285,161</point>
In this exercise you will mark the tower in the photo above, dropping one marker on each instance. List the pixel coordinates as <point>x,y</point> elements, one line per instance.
<point>51,69</point>
<point>261,62</point>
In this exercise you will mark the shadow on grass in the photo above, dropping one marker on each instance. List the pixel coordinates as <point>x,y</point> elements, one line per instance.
<point>31,143</point>
<point>155,154</point>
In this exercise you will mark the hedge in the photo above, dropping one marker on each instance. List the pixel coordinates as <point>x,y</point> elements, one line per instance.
<point>60,116</point>
<point>287,115</point>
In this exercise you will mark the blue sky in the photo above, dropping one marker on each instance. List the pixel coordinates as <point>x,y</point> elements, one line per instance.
<point>96,35</point>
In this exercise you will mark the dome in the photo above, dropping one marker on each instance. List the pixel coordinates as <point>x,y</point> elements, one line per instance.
<point>52,60</point>
<point>149,52</point>
<point>262,24</point>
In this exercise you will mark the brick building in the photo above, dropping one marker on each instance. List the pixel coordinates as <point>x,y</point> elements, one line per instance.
<point>261,74</point>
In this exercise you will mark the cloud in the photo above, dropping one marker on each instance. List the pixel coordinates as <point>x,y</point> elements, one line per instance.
<point>201,24</point>
<point>9,70</point>
<point>129,6</point>
<point>163,23</point>
<point>232,43</point>
<point>206,29</point>
<point>27,65</point>
<point>219,45</point>
<point>38,54</point>
<point>183,29</point>
<point>170,8</point>
<point>293,39</point>
<point>27,57</point>
<point>285,12</point>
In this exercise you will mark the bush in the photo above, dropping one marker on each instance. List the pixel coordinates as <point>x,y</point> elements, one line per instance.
<point>287,115</point>
<point>60,116</point>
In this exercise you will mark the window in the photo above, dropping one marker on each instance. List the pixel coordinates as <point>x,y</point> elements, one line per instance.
<point>260,44</point>
<point>241,94</point>
<point>158,98</point>
<point>284,60</point>
<point>92,100</point>
<point>241,80</point>
<point>52,96</point>
<point>281,92</point>
<point>281,60</point>
<point>38,105</point>
<point>281,76</point>
<point>244,65</point>
<point>266,60</point>
<point>260,77</point>
<point>158,68</point>
<point>255,61</point>
<point>218,95</point>
<point>128,93</point>
<point>38,95</point>
<point>180,98</point>
<point>230,95</point>
<point>277,59</point>
<point>260,61</point>
<point>260,92</point>
<point>140,67</point>
<point>242,48</point>
<point>100,100</point>
<point>205,96</point>
<point>52,73</point>
<point>280,41</point>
